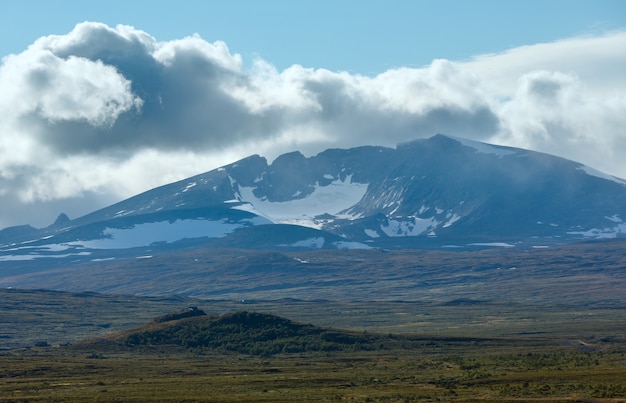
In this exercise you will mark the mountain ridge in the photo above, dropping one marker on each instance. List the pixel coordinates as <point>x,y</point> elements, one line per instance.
<point>437,191</point>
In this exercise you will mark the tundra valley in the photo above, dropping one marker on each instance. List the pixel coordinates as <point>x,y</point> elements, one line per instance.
<point>442,270</point>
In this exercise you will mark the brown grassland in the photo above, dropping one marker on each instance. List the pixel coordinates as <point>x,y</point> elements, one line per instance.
<point>460,372</point>
<point>537,325</point>
<point>561,355</point>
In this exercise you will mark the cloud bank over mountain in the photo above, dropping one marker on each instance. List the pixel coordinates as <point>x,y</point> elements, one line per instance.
<point>102,112</point>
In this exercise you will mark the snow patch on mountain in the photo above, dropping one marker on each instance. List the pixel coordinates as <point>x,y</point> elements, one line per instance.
<point>17,252</point>
<point>165,231</point>
<point>605,233</point>
<point>189,186</point>
<point>122,213</point>
<point>493,244</point>
<point>601,175</point>
<point>615,218</point>
<point>246,206</point>
<point>46,248</point>
<point>313,243</point>
<point>14,258</point>
<point>333,199</point>
<point>413,226</point>
<point>484,148</point>
<point>351,245</point>
<point>452,218</point>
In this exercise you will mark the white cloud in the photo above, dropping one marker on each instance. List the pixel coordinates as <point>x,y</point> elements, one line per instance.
<point>104,113</point>
<point>54,88</point>
<point>555,113</point>
<point>598,61</point>
<point>566,98</point>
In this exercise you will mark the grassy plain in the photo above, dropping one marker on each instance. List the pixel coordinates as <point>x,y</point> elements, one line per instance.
<point>484,326</point>
<point>459,351</point>
<point>585,274</point>
<point>431,369</point>
<point>28,317</point>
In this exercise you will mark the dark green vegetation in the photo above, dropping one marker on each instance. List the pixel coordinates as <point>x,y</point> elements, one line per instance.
<point>250,333</point>
<point>368,377</point>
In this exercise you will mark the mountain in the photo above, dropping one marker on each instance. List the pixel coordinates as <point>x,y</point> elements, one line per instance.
<point>429,193</point>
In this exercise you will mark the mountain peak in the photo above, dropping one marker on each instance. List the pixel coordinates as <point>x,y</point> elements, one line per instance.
<point>441,140</point>
<point>62,219</point>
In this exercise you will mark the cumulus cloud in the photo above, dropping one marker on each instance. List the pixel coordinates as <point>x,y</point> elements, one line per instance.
<point>566,98</point>
<point>597,60</point>
<point>102,113</point>
<point>555,113</point>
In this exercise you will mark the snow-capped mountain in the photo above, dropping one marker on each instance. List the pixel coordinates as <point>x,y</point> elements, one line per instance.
<point>437,192</point>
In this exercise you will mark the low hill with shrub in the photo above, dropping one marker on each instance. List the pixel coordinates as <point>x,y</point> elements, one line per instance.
<point>249,333</point>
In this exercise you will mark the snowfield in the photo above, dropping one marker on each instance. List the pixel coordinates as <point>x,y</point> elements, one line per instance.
<point>413,227</point>
<point>332,199</point>
<point>602,233</point>
<point>165,231</point>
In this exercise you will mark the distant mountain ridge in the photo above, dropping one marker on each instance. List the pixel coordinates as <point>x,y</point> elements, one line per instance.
<point>437,192</point>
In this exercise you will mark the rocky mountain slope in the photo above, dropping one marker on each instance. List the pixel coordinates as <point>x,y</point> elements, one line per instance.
<point>436,192</point>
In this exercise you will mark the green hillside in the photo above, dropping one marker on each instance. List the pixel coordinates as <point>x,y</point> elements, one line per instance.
<point>248,333</point>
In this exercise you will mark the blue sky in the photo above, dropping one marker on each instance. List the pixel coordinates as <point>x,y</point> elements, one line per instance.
<point>359,36</point>
<point>102,100</point>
